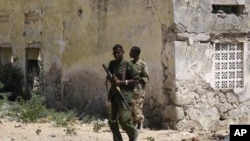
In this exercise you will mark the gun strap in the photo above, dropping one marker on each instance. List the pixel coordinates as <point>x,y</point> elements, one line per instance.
<point>107,87</point>
<point>124,70</point>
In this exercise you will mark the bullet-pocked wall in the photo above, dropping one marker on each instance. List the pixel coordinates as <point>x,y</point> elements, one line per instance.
<point>72,39</point>
<point>208,65</point>
<point>197,53</point>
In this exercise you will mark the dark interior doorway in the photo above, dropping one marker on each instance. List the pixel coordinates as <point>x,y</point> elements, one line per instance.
<point>33,70</point>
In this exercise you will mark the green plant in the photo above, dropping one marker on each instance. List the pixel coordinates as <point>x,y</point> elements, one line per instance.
<point>11,80</point>
<point>4,98</point>
<point>63,118</point>
<point>32,109</point>
<point>70,131</point>
<point>97,126</point>
<point>38,131</point>
<point>89,119</point>
<point>1,85</point>
<point>1,102</point>
<point>150,139</point>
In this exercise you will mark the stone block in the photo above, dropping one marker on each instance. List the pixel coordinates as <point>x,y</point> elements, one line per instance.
<point>173,113</point>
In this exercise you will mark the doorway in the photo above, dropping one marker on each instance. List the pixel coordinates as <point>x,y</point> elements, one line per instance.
<point>33,72</point>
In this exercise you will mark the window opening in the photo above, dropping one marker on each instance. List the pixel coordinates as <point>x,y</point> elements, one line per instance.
<point>229,9</point>
<point>228,65</point>
<point>5,55</point>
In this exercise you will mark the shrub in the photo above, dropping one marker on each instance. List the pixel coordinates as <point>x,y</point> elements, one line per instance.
<point>11,81</point>
<point>32,109</point>
<point>35,110</point>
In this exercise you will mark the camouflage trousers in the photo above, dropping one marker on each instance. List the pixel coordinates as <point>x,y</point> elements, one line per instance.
<point>137,106</point>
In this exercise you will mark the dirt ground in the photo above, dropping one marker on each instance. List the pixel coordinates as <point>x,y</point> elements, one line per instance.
<point>16,131</point>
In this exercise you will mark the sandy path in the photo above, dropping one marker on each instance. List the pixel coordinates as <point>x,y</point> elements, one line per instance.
<point>15,131</point>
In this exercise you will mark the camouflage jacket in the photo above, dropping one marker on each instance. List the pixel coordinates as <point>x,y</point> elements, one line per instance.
<point>142,70</point>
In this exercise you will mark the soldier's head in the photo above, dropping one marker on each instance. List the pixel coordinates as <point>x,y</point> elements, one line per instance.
<point>135,52</point>
<point>118,52</point>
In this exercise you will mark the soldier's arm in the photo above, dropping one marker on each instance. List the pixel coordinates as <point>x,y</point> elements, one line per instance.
<point>145,73</point>
<point>133,76</point>
<point>133,73</point>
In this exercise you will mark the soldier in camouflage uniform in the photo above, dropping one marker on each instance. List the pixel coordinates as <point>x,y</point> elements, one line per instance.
<point>127,77</point>
<point>139,91</point>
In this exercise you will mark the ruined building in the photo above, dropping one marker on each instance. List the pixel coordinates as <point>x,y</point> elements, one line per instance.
<point>197,52</point>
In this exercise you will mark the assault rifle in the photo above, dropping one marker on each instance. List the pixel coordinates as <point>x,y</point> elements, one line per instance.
<point>112,77</point>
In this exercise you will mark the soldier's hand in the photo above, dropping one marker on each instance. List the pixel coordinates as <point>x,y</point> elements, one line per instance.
<point>116,82</point>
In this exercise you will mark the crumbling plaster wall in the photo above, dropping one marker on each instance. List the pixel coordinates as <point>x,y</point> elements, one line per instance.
<point>76,37</point>
<point>101,25</point>
<point>188,61</point>
<point>128,23</point>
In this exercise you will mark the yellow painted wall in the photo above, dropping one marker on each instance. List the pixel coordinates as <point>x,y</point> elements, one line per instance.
<point>77,38</point>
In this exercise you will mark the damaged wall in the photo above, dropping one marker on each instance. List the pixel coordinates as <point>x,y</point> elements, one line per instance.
<point>190,58</point>
<point>74,38</point>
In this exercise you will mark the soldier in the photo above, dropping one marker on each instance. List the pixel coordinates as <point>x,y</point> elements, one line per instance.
<point>127,77</point>
<point>139,91</point>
